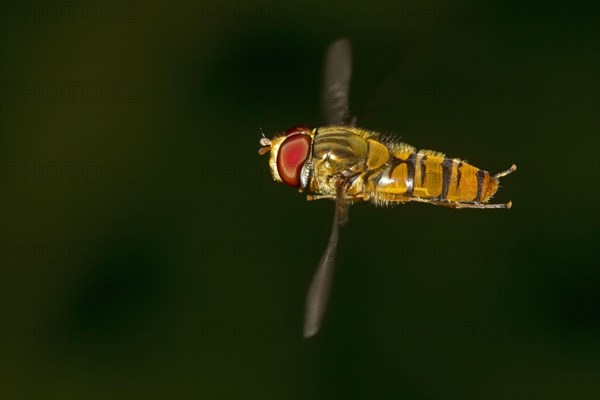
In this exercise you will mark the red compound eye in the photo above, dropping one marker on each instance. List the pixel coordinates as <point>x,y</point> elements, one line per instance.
<point>292,155</point>
<point>297,129</point>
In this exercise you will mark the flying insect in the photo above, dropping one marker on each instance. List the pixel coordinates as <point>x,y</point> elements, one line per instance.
<point>347,164</point>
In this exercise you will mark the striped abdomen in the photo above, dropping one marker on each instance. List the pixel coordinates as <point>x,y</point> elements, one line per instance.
<point>428,175</point>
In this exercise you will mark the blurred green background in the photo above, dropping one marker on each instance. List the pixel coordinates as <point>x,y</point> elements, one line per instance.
<point>146,252</point>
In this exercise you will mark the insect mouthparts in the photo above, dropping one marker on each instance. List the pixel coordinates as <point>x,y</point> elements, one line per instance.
<point>266,145</point>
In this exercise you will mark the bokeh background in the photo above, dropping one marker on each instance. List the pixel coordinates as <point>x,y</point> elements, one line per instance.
<point>146,252</point>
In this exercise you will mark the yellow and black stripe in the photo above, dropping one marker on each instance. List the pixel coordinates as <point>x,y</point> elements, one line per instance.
<point>434,177</point>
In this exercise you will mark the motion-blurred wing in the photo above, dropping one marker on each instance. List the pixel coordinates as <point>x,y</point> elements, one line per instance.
<point>335,91</point>
<point>318,292</point>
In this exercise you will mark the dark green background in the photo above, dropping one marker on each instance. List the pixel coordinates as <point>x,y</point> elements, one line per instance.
<point>146,252</point>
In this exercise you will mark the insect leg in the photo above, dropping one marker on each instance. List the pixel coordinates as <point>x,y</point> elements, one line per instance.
<point>512,169</point>
<point>312,197</point>
<point>460,205</point>
<point>476,205</point>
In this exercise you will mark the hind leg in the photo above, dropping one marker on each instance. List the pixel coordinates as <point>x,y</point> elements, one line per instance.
<point>450,204</point>
<point>512,169</point>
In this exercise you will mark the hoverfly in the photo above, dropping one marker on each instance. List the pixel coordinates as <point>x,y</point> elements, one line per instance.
<point>348,164</point>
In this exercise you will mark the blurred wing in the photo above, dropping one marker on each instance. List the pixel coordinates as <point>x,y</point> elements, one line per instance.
<point>335,91</point>
<point>318,292</point>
